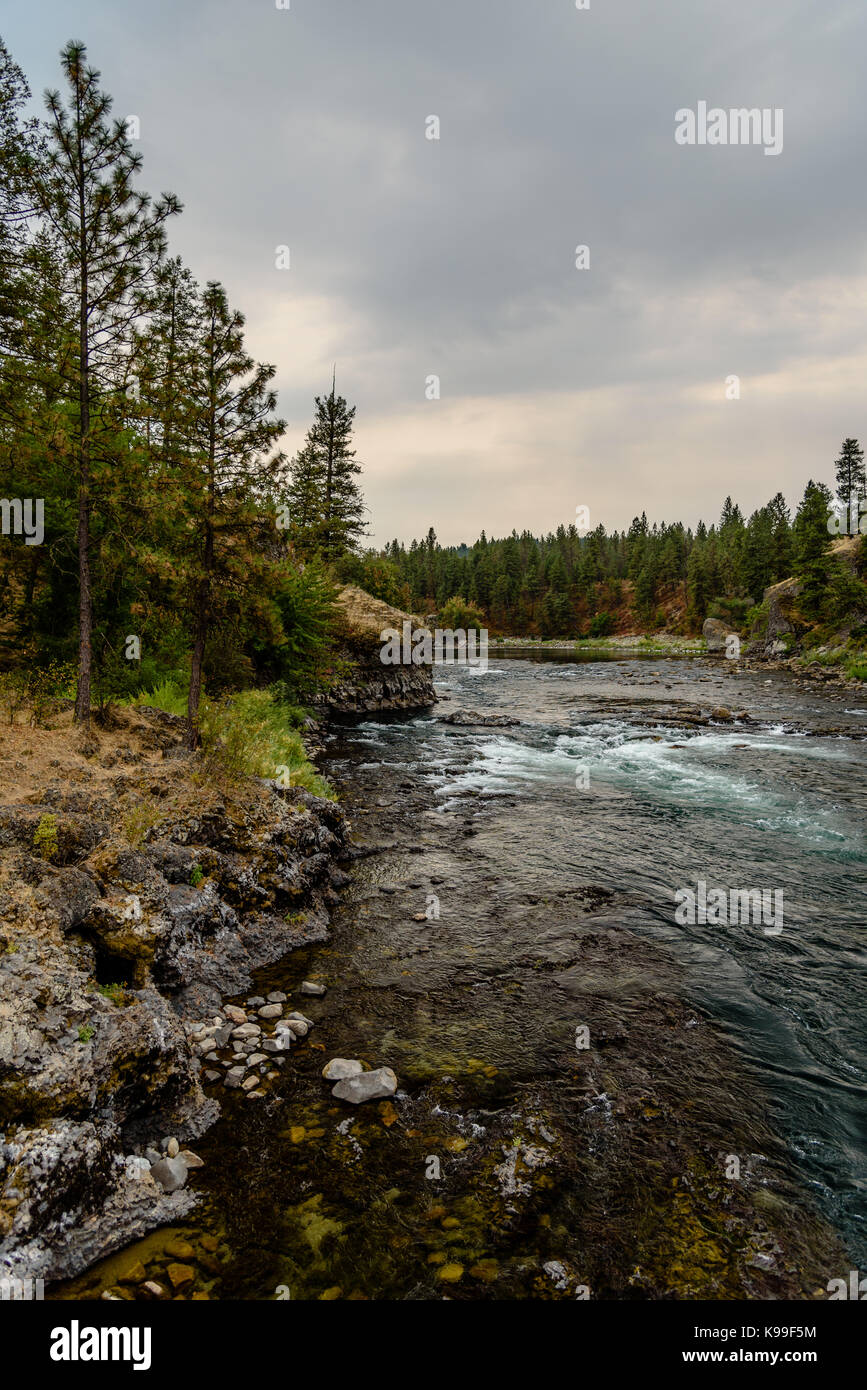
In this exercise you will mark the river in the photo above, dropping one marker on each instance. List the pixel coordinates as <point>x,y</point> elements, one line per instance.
<point>596,1098</point>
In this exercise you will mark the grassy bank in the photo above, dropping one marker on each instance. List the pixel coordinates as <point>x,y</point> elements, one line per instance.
<point>251,734</point>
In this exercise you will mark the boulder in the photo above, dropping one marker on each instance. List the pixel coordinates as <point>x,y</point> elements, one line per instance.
<point>715,633</point>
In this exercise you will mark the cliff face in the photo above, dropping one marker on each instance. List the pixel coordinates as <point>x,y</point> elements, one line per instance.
<point>369,685</point>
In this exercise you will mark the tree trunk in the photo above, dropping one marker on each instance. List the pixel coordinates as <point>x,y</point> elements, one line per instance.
<point>85,600</point>
<point>195,693</point>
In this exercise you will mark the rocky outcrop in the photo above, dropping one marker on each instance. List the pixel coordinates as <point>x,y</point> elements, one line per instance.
<point>715,633</point>
<point>371,685</point>
<point>468,718</point>
<point>777,625</point>
<point>106,952</point>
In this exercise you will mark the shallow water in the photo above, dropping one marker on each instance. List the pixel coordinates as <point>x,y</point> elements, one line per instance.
<point>556,910</point>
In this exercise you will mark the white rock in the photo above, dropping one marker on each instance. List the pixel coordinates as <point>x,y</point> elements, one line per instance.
<point>309,987</point>
<point>339,1068</point>
<point>370,1085</point>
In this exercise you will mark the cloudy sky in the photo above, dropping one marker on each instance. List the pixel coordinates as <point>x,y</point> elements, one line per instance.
<point>602,387</point>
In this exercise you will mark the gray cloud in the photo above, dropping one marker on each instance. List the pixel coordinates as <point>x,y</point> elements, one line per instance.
<point>456,257</point>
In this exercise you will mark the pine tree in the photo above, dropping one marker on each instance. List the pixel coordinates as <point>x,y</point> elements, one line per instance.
<point>851,480</point>
<point>229,483</point>
<point>110,238</point>
<point>329,440</point>
<point>811,545</point>
<point>305,496</point>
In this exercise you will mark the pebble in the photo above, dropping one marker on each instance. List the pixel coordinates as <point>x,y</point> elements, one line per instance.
<point>310,987</point>
<point>254,1001</point>
<point>235,1014</point>
<point>173,1148</point>
<point>247,1030</point>
<point>211,1077</point>
<point>276,997</point>
<point>271,1011</point>
<point>278,1044</point>
<point>234,1077</point>
<point>256,1058</point>
<point>250,1082</point>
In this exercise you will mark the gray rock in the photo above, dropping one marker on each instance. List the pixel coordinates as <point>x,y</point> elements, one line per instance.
<point>715,633</point>
<point>247,1030</point>
<point>294,1026</point>
<point>170,1173</point>
<point>235,1077</point>
<point>276,997</point>
<point>254,1001</point>
<point>370,1085</point>
<point>339,1068</point>
<point>271,1011</point>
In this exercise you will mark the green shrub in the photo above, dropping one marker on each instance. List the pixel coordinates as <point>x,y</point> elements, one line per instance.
<point>45,837</point>
<point>254,735</point>
<point>601,625</point>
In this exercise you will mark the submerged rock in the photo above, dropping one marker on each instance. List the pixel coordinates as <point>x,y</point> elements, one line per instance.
<point>472,719</point>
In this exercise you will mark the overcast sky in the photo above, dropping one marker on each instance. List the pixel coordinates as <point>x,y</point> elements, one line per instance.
<point>603,387</point>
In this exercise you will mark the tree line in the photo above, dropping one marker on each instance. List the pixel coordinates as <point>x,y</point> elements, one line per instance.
<point>568,584</point>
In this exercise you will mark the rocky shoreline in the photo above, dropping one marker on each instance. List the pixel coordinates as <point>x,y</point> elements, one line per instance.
<point>109,954</point>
